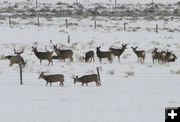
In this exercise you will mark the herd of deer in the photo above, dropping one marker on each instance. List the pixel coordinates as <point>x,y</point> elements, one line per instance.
<point>157,56</point>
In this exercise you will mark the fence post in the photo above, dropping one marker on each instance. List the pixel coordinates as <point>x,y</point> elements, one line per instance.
<point>20,67</point>
<point>156,28</point>
<point>69,39</point>
<point>115,3</point>
<point>66,23</point>
<point>98,75</point>
<point>95,23</point>
<point>125,26</point>
<point>36,3</point>
<point>38,21</point>
<point>10,21</point>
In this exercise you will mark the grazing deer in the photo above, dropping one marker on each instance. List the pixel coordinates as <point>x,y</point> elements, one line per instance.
<point>15,60</point>
<point>118,52</point>
<point>43,55</point>
<point>52,78</point>
<point>89,56</point>
<point>63,54</point>
<point>89,78</point>
<point>172,58</point>
<point>140,54</point>
<point>18,53</point>
<point>101,54</point>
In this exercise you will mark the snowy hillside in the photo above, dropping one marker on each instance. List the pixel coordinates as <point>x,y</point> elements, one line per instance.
<point>130,91</point>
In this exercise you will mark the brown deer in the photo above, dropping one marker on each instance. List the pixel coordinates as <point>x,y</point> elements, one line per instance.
<point>89,56</point>
<point>172,58</point>
<point>156,55</point>
<point>118,52</point>
<point>63,54</point>
<point>15,60</point>
<point>102,54</point>
<point>140,54</point>
<point>43,55</point>
<point>52,78</point>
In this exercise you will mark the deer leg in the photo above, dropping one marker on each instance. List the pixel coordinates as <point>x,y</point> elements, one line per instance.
<point>82,84</point>
<point>71,59</point>
<point>93,59</point>
<point>118,58</point>
<point>46,83</point>
<point>100,60</point>
<point>40,62</point>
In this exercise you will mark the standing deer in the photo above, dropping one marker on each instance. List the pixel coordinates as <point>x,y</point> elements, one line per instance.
<point>43,55</point>
<point>89,78</point>
<point>118,52</point>
<point>102,54</point>
<point>89,56</point>
<point>63,54</point>
<point>52,78</point>
<point>15,60</point>
<point>140,54</point>
<point>156,55</point>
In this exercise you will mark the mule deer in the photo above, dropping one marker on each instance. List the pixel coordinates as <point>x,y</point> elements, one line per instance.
<point>118,52</point>
<point>140,54</point>
<point>88,78</point>
<point>172,58</point>
<point>63,54</point>
<point>101,54</point>
<point>52,78</point>
<point>89,56</point>
<point>43,55</point>
<point>156,55</point>
<point>15,60</point>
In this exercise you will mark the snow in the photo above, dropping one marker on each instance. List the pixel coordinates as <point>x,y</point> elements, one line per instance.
<point>97,1</point>
<point>142,96</point>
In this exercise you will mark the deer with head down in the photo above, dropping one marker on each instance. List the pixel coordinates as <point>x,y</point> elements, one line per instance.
<point>139,53</point>
<point>43,55</point>
<point>53,78</point>
<point>63,54</point>
<point>103,54</point>
<point>118,52</point>
<point>89,56</point>
<point>15,60</point>
<point>89,78</point>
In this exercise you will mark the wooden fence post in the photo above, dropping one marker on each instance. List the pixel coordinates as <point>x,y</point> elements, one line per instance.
<point>66,23</point>
<point>115,3</point>
<point>95,23</point>
<point>156,28</point>
<point>125,26</point>
<point>36,3</point>
<point>10,21</point>
<point>38,21</point>
<point>69,39</point>
<point>98,75</point>
<point>20,67</point>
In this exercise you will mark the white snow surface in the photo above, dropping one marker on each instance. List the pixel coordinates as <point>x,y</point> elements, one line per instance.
<point>141,97</point>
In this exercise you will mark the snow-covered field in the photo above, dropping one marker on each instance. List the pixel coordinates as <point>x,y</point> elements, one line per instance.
<point>130,91</point>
